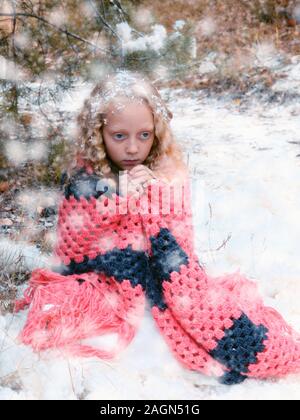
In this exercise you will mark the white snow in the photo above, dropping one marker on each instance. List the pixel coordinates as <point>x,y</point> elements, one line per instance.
<point>245,190</point>
<point>179,24</point>
<point>155,40</point>
<point>290,81</point>
<point>14,253</point>
<point>245,169</point>
<point>266,55</point>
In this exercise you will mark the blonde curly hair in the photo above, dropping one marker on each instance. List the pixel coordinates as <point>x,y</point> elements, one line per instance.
<point>90,151</point>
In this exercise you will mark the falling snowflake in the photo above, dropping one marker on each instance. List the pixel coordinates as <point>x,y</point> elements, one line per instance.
<point>37,151</point>
<point>16,152</point>
<point>23,40</point>
<point>58,17</point>
<point>143,17</point>
<point>206,27</point>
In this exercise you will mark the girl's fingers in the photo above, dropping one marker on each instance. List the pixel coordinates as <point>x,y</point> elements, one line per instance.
<point>142,172</point>
<point>140,179</point>
<point>139,185</point>
<point>141,169</point>
<point>138,175</point>
<point>138,168</point>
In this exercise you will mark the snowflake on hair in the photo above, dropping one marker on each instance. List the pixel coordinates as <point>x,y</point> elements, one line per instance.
<point>131,86</point>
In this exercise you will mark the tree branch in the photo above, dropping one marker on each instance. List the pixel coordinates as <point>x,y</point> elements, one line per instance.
<point>64,31</point>
<point>103,21</point>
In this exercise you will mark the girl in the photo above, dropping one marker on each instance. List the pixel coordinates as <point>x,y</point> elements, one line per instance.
<point>109,261</point>
<point>124,130</point>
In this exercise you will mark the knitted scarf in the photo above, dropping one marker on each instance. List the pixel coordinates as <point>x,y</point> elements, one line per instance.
<point>114,251</point>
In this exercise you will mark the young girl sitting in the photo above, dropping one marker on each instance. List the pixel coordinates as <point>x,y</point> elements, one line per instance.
<point>125,233</point>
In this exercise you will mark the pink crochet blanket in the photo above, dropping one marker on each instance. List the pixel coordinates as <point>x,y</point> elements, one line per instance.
<point>113,252</point>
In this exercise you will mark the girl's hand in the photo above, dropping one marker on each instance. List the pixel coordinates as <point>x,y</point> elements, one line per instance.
<point>141,175</point>
<point>138,178</point>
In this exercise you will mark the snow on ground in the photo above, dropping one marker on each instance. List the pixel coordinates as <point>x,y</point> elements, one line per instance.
<point>245,167</point>
<point>11,252</point>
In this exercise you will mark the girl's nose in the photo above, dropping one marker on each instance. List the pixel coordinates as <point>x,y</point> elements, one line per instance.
<point>132,146</point>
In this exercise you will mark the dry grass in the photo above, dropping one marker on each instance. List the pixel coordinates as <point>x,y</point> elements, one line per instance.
<point>232,29</point>
<point>238,23</point>
<point>9,282</point>
<point>12,381</point>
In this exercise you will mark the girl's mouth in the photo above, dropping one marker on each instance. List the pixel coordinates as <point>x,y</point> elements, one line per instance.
<point>130,162</point>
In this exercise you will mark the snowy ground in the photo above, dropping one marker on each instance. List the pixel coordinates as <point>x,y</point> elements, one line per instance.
<point>246,181</point>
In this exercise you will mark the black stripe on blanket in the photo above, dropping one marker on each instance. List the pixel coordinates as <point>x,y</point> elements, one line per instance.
<point>239,348</point>
<point>120,263</point>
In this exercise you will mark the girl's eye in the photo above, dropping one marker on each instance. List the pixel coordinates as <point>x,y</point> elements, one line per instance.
<point>145,135</point>
<point>119,136</point>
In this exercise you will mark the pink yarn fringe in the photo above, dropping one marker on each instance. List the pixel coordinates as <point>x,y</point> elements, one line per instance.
<point>64,312</point>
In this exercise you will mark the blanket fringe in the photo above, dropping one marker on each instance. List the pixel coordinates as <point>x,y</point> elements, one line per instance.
<point>63,312</point>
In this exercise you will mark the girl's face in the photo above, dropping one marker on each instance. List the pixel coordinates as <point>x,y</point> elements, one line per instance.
<point>128,133</point>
